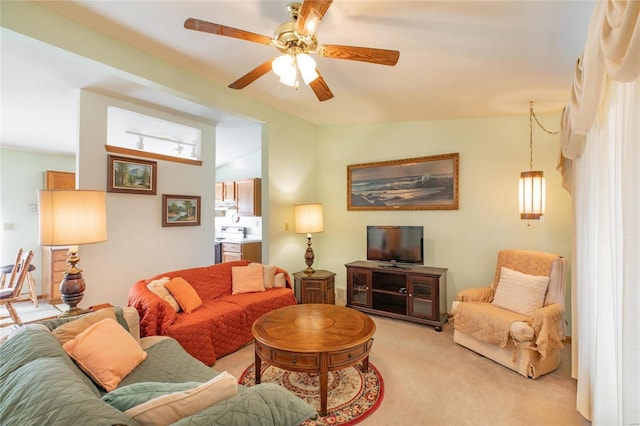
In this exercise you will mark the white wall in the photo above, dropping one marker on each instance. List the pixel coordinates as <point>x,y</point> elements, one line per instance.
<point>138,246</point>
<point>493,152</point>
<point>21,176</point>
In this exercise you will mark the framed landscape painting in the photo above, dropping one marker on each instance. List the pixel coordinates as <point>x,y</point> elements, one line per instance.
<point>131,175</point>
<point>423,183</point>
<point>180,210</point>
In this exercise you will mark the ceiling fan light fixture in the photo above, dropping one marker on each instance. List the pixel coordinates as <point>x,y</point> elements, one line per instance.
<point>283,65</point>
<point>307,66</point>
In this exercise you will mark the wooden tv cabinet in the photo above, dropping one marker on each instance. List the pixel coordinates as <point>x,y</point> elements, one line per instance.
<point>411,293</point>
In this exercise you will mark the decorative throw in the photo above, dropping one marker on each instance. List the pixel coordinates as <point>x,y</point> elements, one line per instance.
<point>548,334</point>
<point>486,322</point>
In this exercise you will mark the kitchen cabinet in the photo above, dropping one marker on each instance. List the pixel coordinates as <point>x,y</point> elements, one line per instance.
<point>219,191</point>
<point>242,251</point>
<point>249,197</point>
<point>229,192</point>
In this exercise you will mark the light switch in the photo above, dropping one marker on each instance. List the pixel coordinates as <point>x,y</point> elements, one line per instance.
<point>31,207</point>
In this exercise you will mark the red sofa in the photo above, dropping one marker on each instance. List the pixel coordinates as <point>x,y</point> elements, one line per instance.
<point>222,324</point>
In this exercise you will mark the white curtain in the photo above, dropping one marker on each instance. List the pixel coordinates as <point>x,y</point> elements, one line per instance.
<point>601,167</point>
<point>606,199</point>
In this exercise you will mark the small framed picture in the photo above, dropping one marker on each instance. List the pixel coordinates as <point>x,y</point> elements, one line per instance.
<point>132,176</point>
<point>180,210</point>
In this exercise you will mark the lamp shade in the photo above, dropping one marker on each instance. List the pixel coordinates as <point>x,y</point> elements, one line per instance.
<point>308,218</point>
<point>532,195</point>
<point>72,217</point>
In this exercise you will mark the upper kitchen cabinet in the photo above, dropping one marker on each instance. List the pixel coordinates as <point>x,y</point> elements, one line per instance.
<point>219,192</point>
<point>249,197</point>
<point>229,194</point>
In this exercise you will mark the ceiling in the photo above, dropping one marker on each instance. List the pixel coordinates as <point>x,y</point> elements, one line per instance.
<point>457,60</point>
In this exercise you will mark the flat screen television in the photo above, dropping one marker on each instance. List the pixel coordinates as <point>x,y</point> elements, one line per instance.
<point>395,244</point>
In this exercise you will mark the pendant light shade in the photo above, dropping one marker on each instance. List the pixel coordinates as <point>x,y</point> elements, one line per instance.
<point>532,195</point>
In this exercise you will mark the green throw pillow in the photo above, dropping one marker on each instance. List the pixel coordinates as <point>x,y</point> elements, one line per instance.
<point>138,393</point>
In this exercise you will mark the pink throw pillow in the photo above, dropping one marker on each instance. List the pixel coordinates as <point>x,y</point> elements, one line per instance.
<point>247,279</point>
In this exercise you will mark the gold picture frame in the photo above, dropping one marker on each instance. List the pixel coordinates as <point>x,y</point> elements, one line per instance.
<point>180,210</point>
<point>422,183</point>
<point>131,175</point>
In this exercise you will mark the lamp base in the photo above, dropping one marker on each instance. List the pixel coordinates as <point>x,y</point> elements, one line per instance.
<point>308,257</point>
<point>72,287</point>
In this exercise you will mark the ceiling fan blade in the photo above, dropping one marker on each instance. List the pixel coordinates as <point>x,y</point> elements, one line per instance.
<point>320,88</point>
<point>310,15</point>
<point>210,27</point>
<point>363,54</point>
<point>252,75</point>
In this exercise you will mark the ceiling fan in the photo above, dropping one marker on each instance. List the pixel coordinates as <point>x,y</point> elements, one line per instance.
<point>295,40</point>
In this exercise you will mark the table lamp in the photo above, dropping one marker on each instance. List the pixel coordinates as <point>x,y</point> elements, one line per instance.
<point>308,221</point>
<point>70,218</point>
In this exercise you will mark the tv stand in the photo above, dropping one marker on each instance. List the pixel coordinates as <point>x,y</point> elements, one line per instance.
<point>411,293</point>
<point>393,266</point>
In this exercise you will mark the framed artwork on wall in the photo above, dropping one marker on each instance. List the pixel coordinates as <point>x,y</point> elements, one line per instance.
<point>423,183</point>
<point>131,175</point>
<point>180,210</point>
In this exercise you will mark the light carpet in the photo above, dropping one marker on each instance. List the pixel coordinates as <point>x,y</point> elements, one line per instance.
<point>352,394</point>
<point>429,379</point>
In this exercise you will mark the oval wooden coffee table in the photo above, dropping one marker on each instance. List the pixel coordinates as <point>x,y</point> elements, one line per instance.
<point>313,337</point>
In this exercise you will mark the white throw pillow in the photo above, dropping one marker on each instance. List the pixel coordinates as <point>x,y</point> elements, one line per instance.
<point>158,287</point>
<point>521,293</point>
<point>279,280</point>
<point>168,409</point>
<point>269,275</point>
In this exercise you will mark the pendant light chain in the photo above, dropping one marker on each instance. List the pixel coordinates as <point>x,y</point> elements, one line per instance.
<point>532,116</point>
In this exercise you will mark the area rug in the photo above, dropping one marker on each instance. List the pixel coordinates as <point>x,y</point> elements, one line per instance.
<point>352,397</point>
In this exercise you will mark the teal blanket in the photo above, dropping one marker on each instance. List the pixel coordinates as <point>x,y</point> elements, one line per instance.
<point>41,385</point>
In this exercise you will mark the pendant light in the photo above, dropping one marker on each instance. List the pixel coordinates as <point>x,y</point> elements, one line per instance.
<point>532,182</point>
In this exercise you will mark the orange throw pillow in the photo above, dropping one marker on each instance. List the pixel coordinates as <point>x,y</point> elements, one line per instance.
<point>247,279</point>
<point>106,352</point>
<point>184,294</point>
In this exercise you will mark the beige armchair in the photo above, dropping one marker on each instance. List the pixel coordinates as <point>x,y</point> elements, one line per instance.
<point>518,321</point>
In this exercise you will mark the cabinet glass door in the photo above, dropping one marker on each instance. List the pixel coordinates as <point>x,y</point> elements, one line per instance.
<point>359,288</point>
<point>421,296</point>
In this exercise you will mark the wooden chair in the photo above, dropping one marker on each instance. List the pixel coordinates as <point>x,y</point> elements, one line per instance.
<point>7,271</point>
<point>12,288</point>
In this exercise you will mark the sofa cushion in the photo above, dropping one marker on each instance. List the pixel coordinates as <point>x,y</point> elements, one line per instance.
<point>159,289</point>
<point>264,404</point>
<point>71,329</point>
<point>184,294</point>
<point>32,343</point>
<point>214,330</point>
<point>247,279</point>
<point>168,362</point>
<point>169,408</point>
<point>521,293</point>
<point>42,386</point>
<point>279,280</point>
<point>269,275</point>
<point>106,352</point>
<point>126,397</point>
<point>256,304</point>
